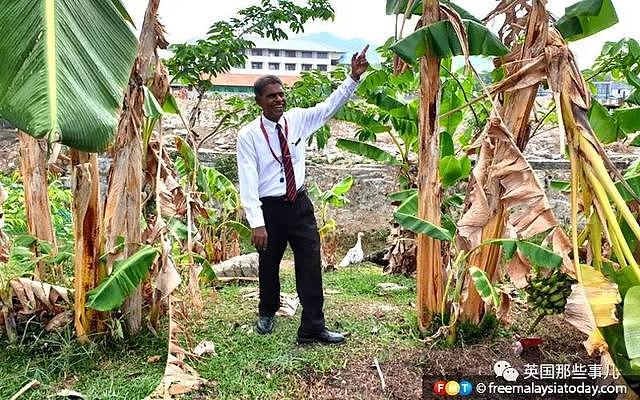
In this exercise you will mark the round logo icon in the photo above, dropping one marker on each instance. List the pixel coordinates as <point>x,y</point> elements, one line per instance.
<point>465,388</point>
<point>438,388</point>
<point>452,388</point>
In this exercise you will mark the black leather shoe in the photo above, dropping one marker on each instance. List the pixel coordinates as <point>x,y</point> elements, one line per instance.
<point>265,325</point>
<point>324,337</point>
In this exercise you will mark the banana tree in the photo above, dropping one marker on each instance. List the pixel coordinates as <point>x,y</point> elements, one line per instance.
<point>123,207</point>
<point>62,79</point>
<point>434,40</point>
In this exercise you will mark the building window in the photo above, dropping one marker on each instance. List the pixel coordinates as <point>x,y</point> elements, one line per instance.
<point>290,67</point>
<point>305,67</point>
<point>274,66</point>
<point>256,52</point>
<point>322,54</point>
<point>306,54</point>
<point>274,53</point>
<point>290,53</point>
<point>322,67</point>
<point>256,65</point>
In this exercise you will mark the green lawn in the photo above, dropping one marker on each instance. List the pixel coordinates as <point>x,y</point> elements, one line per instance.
<point>246,365</point>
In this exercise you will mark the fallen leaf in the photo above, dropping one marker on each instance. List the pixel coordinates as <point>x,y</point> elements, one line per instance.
<point>288,305</point>
<point>153,359</point>
<point>71,394</point>
<point>204,347</point>
<point>59,321</point>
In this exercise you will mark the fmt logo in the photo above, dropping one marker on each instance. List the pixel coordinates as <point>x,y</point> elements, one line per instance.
<point>452,388</point>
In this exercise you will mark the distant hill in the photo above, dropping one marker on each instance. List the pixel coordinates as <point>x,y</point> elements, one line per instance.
<point>349,45</point>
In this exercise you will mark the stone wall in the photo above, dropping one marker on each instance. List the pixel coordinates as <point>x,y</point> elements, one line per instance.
<point>370,209</point>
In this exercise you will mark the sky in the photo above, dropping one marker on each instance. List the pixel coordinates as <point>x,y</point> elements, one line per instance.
<point>366,19</point>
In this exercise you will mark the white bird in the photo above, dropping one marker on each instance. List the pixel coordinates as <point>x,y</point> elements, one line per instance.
<point>355,254</point>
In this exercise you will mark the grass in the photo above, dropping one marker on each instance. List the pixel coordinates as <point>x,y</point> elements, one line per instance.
<point>246,365</point>
<point>113,370</point>
<point>270,366</point>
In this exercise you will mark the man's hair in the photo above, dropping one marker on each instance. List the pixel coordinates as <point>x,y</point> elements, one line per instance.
<point>263,81</point>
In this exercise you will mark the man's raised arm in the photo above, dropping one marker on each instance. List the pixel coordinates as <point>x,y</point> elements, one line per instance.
<point>315,117</point>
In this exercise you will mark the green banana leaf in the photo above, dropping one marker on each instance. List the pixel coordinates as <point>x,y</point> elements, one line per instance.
<point>242,230</point>
<point>343,186</point>
<point>402,195</point>
<point>631,322</point>
<point>628,119</point>
<point>170,105</point>
<point>612,126</point>
<point>483,285</point>
<point>536,254</point>
<point>625,277</point>
<point>367,150</point>
<point>64,68</point>
<point>218,186</point>
<point>124,279</point>
<point>207,274</point>
<point>440,40</point>
<point>406,213</point>
<point>603,124</point>
<point>335,195</point>
<point>123,11</point>
<point>151,107</point>
<point>586,18</point>
<point>453,169</point>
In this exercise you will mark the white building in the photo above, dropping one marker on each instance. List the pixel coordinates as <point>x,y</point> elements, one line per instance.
<point>285,59</point>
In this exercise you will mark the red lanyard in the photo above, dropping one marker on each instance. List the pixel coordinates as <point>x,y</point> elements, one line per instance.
<point>286,135</point>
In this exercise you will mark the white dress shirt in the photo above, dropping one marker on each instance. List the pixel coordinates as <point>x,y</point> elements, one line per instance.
<point>259,173</point>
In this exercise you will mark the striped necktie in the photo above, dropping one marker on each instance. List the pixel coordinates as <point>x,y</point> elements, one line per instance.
<point>288,166</point>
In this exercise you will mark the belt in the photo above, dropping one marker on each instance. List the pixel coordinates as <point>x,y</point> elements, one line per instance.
<point>301,192</point>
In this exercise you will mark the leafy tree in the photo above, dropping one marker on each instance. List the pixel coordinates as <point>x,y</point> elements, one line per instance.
<point>195,64</point>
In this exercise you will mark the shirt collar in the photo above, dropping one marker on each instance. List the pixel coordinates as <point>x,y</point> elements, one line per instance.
<point>270,125</point>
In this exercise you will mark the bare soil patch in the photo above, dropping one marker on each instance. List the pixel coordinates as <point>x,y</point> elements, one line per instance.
<point>408,372</point>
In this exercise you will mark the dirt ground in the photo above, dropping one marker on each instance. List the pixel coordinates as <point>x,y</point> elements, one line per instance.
<point>411,375</point>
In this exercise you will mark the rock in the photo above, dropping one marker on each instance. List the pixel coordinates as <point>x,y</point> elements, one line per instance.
<point>245,265</point>
<point>389,287</point>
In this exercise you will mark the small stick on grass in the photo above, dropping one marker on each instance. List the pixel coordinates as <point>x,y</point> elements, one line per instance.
<point>33,384</point>
<point>384,385</point>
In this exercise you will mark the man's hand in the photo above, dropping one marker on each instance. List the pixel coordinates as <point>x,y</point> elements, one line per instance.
<point>359,63</point>
<point>259,238</point>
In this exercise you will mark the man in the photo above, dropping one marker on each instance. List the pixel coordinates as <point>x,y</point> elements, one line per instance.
<point>271,170</point>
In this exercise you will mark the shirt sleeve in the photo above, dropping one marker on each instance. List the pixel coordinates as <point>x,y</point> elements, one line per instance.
<point>248,177</point>
<point>314,118</point>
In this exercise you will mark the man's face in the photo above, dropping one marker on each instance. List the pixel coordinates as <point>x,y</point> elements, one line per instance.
<point>272,101</point>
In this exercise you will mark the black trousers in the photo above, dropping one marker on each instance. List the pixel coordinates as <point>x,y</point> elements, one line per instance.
<point>294,223</point>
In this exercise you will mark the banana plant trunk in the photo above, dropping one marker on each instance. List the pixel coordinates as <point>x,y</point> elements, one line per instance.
<point>516,112</point>
<point>123,208</point>
<point>86,228</point>
<point>33,166</point>
<point>430,273</point>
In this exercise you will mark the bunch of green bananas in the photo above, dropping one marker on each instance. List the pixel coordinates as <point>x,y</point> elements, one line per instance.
<point>549,293</point>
